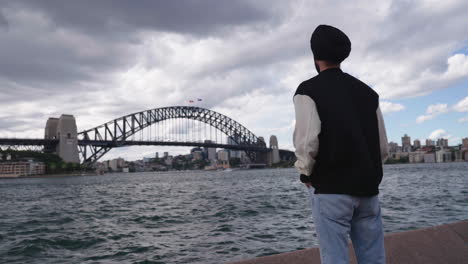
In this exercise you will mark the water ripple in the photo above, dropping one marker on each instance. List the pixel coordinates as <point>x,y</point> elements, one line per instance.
<point>199,217</point>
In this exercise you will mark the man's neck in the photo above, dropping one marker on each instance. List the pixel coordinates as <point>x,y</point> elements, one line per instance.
<point>326,67</point>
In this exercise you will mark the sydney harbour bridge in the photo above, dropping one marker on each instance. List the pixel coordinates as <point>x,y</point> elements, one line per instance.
<point>165,126</point>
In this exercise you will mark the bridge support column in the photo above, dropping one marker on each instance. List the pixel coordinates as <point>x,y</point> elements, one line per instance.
<point>51,133</point>
<point>273,155</point>
<point>64,129</point>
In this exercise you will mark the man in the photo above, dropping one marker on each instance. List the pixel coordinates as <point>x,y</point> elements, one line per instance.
<point>340,143</point>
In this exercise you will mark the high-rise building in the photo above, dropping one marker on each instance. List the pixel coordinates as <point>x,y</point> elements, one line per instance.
<point>392,147</point>
<point>210,153</point>
<point>166,154</point>
<point>406,143</point>
<point>442,142</point>
<point>429,142</point>
<point>417,144</point>
<point>234,140</point>
<point>465,143</point>
<point>156,155</point>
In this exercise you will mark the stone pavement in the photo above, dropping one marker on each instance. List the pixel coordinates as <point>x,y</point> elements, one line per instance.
<point>444,244</point>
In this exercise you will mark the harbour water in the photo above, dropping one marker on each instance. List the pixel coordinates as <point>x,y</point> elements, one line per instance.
<point>198,217</point>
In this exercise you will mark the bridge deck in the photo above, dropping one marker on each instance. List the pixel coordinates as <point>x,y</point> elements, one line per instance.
<point>113,144</point>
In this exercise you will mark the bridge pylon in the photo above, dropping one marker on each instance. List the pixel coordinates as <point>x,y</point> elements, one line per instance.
<point>64,129</point>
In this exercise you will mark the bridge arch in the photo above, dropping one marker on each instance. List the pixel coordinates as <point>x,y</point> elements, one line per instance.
<point>97,141</point>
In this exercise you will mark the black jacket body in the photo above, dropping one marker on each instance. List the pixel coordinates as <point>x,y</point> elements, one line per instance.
<point>348,159</point>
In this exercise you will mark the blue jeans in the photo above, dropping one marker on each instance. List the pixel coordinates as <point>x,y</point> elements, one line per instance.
<point>336,216</point>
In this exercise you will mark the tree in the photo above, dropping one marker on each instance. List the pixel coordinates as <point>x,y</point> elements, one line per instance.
<point>234,162</point>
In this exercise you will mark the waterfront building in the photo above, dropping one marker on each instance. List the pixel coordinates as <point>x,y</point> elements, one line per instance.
<point>112,164</point>
<point>406,143</point>
<point>458,155</point>
<point>166,154</point>
<point>168,160</point>
<point>440,156</point>
<point>429,142</point>
<point>448,156</point>
<point>429,157</point>
<point>197,155</point>
<point>120,162</point>
<point>400,155</point>
<point>101,167</point>
<point>465,155</point>
<point>416,157</point>
<point>116,164</point>
<point>17,169</point>
<point>223,155</point>
<point>443,156</point>
<point>393,147</point>
<point>156,155</point>
<point>417,144</point>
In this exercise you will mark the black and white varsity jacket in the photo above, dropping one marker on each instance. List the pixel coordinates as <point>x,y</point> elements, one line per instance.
<point>339,136</point>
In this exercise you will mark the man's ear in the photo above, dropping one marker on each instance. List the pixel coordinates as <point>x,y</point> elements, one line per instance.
<point>317,67</point>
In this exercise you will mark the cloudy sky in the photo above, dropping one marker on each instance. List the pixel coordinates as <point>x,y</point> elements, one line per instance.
<point>100,60</point>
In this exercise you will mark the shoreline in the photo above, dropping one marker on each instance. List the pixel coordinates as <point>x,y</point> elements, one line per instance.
<point>58,175</point>
<point>186,171</point>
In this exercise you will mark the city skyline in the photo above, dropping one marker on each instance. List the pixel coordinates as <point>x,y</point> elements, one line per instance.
<point>424,141</point>
<point>118,60</point>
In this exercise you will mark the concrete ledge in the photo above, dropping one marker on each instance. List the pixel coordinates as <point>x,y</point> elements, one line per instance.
<point>444,244</point>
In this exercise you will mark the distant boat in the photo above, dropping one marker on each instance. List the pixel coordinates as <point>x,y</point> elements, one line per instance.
<point>210,168</point>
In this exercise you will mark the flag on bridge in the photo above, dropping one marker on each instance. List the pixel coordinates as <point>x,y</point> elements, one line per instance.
<point>199,100</point>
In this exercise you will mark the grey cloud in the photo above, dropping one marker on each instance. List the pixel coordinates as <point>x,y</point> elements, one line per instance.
<point>8,124</point>
<point>36,60</point>
<point>408,28</point>
<point>185,16</point>
<point>42,59</point>
<point>78,60</point>
<point>32,62</point>
<point>3,21</point>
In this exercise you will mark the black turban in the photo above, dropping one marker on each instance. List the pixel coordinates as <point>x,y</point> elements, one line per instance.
<point>330,44</point>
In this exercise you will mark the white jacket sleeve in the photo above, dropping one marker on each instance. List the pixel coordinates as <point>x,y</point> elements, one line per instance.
<point>306,131</point>
<point>382,136</point>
